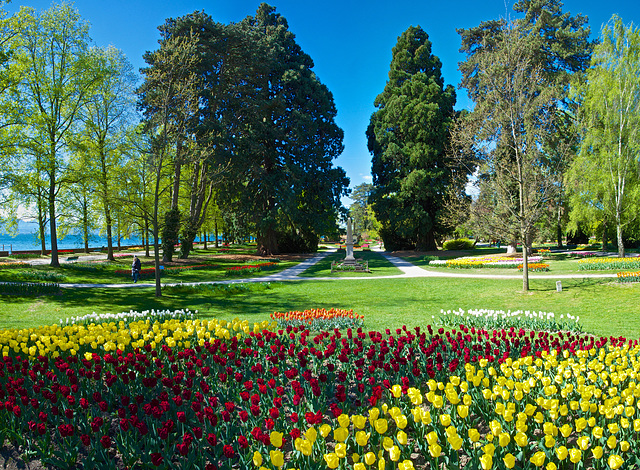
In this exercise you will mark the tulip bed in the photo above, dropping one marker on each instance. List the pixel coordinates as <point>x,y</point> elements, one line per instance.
<point>626,276</point>
<point>599,264</point>
<point>489,261</point>
<point>188,393</point>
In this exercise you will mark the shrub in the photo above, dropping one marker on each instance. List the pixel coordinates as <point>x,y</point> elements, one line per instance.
<point>430,258</point>
<point>29,289</point>
<point>458,244</point>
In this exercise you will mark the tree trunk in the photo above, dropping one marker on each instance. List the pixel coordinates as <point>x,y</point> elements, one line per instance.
<point>107,214</point>
<point>512,248</point>
<point>41,227</point>
<point>267,242</point>
<point>145,237</point>
<point>215,230</point>
<point>620,243</point>
<point>604,235</point>
<point>426,242</point>
<point>52,222</point>
<point>525,267</point>
<point>559,227</point>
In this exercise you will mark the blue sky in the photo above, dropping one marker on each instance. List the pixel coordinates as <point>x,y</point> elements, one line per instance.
<point>349,41</point>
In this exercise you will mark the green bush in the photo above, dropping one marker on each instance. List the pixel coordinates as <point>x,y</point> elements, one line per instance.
<point>459,244</point>
<point>29,289</point>
<point>430,258</point>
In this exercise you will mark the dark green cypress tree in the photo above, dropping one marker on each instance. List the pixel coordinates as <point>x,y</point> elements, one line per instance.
<point>408,135</point>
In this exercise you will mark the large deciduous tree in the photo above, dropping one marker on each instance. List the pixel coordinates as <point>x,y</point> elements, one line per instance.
<point>289,141</point>
<point>58,77</point>
<point>518,74</point>
<point>609,117</point>
<point>169,93</point>
<point>408,136</point>
<point>106,117</point>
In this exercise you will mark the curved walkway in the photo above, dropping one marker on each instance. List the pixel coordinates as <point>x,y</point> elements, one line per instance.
<point>408,269</point>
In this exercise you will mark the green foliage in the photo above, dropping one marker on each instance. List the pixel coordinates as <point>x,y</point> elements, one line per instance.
<point>407,136</point>
<point>604,180</point>
<point>458,244</point>
<point>427,259</point>
<point>48,276</point>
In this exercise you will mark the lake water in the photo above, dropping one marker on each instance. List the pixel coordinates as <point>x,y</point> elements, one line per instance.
<point>26,240</point>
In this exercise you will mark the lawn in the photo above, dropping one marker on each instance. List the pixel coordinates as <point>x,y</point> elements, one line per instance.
<point>202,266</point>
<point>604,307</point>
<point>378,266</point>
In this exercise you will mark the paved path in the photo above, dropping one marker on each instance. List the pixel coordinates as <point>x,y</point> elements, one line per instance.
<point>408,269</point>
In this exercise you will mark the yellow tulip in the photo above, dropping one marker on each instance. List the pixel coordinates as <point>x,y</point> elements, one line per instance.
<point>504,439</point>
<point>432,438</point>
<point>341,450</point>
<point>381,464</point>
<point>521,439</point>
<point>401,421</point>
<point>387,443</point>
<point>509,460</point>
<point>489,449</point>
<point>344,421</point>
<point>394,453</point>
<point>402,437</point>
<point>495,426</point>
<point>359,421</point>
<point>341,434</point>
<point>374,413</point>
<point>435,450</point>
<point>277,458</point>
<point>355,457</point>
<point>463,411</point>
<point>575,455</point>
<point>486,461</point>
<point>597,452</point>
<point>613,428</point>
<point>611,442</point>
<point>276,438</point>
<point>615,461</point>
<point>474,435</point>
<point>359,466</point>
<point>581,423</point>
<point>405,465</point>
<point>306,447</point>
<point>325,429</point>
<point>455,442</point>
<point>332,460</point>
<point>381,425</point>
<point>415,395</point>
<point>549,441</point>
<point>624,446</point>
<point>362,438</point>
<point>583,442</point>
<point>566,430</point>
<point>538,459</point>
<point>257,458</point>
<point>597,432</point>
<point>562,452</point>
<point>445,420</point>
<point>551,466</point>
<point>311,434</point>
<point>396,390</point>
<point>369,458</point>
<point>636,425</point>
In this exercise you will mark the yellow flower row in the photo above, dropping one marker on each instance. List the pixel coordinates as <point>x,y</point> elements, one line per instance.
<point>107,337</point>
<point>556,411</point>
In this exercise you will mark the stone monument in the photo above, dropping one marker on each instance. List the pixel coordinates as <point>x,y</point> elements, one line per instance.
<point>349,259</point>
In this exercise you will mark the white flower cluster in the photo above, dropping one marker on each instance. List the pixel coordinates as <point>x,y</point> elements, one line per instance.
<point>130,316</point>
<point>528,319</point>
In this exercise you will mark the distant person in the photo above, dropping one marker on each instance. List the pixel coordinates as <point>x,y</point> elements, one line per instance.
<point>135,268</point>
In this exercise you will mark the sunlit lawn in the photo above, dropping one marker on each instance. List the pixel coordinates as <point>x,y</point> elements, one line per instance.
<point>605,308</point>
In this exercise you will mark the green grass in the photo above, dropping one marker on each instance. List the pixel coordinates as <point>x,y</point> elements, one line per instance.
<point>605,308</point>
<point>378,265</point>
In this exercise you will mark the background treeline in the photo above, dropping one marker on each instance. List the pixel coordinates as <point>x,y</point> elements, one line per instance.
<point>229,131</point>
<point>551,147</point>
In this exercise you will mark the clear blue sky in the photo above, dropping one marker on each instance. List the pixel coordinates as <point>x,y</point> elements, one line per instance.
<point>349,41</point>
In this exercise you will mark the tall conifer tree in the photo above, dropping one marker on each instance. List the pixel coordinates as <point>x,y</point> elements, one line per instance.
<point>407,136</point>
